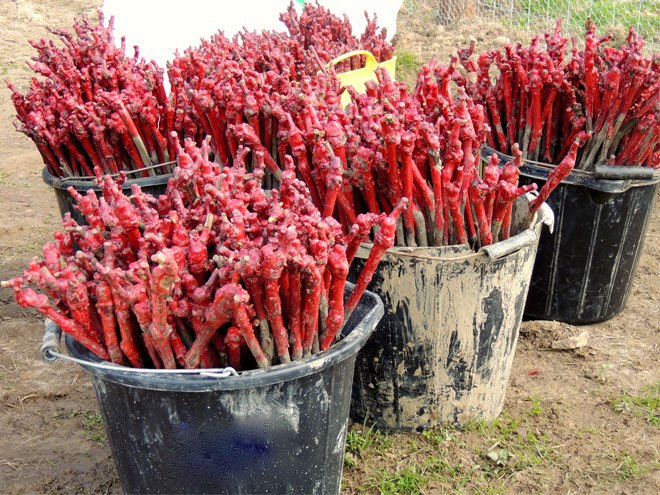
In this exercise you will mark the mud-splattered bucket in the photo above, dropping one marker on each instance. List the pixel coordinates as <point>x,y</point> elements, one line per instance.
<point>153,185</point>
<point>444,349</point>
<point>281,430</point>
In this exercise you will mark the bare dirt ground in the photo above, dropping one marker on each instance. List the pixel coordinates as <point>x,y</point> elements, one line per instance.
<point>559,432</point>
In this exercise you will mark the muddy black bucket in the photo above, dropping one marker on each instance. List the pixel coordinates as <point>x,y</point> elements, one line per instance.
<point>584,272</point>
<point>279,431</point>
<point>444,349</point>
<point>154,186</point>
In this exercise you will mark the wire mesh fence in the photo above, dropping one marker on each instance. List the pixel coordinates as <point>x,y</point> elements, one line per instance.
<point>538,16</point>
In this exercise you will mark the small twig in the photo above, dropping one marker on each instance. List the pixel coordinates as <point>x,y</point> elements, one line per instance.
<point>27,441</point>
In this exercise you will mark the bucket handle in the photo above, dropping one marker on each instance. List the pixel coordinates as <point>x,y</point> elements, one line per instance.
<point>50,353</point>
<point>50,348</point>
<point>619,172</point>
<point>61,182</point>
<point>503,248</point>
<point>369,63</point>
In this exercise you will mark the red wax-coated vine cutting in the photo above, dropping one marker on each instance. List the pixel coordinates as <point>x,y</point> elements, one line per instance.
<point>558,174</point>
<point>383,240</point>
<point>338,267</point>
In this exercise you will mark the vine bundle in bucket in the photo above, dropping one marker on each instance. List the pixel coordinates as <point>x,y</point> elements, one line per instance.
<point>424,147</point>
<point>183,280</point>
<point>95,106</point>
<point>537,98</point>
<point>608,99</point>
<point>386,146</point>
<point>248,80</point>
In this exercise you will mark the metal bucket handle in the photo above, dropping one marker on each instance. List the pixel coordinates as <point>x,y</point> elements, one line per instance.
<point>544,215</point>
<point>50,353</point>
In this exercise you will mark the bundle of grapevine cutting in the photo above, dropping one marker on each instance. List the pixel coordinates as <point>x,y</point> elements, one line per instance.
<point>215,272</point>
<point>249,78</point>
<point>387,145</point>
<point>95,106</point>
<point>537,98</point>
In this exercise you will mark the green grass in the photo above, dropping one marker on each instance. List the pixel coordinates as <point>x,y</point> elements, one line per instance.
<point>645,406</point>
<point>360,439</point>
<point>92,424</point>
<point>407,66</point>
<point>440,435</point>
<point>587,431</point>
<point>407,61</point>
<point>536,409</point>
<point>492,457</point>
<point>511,444</point>
<point>407,481</point>
<point>479,457</point>
<point>627,467</point>
<point>607,14</point>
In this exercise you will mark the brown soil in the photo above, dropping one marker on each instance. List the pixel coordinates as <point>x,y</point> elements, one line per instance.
<point>50,437</point>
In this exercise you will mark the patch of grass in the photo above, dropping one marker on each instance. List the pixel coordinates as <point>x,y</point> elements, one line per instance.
<point>609,15</point>
<point>92,424</point>
<point>623,466</point>
<point>536,409</point>
<point>356,442</point>
<point>581,433</point>
<point>480,457</point>
<point>503,427</point>
<point>407,66</point>
<point>628,467</point>
<point>646,405</point>
<point>359,439</point>
<point>510,445</point>
<point>440,435</point>
<point>407,481</point>
<point>407,61</point>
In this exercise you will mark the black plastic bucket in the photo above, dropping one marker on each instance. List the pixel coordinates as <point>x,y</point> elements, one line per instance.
<point>584,272</point>
<point>444,349</point>
<point>280,431</point>
<point>155,186</point>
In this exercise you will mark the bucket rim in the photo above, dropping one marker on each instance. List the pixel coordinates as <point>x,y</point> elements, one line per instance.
<point>368,313</point>
<point>584,178</point>
<point>86,183</point>
<point>464,253</point>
